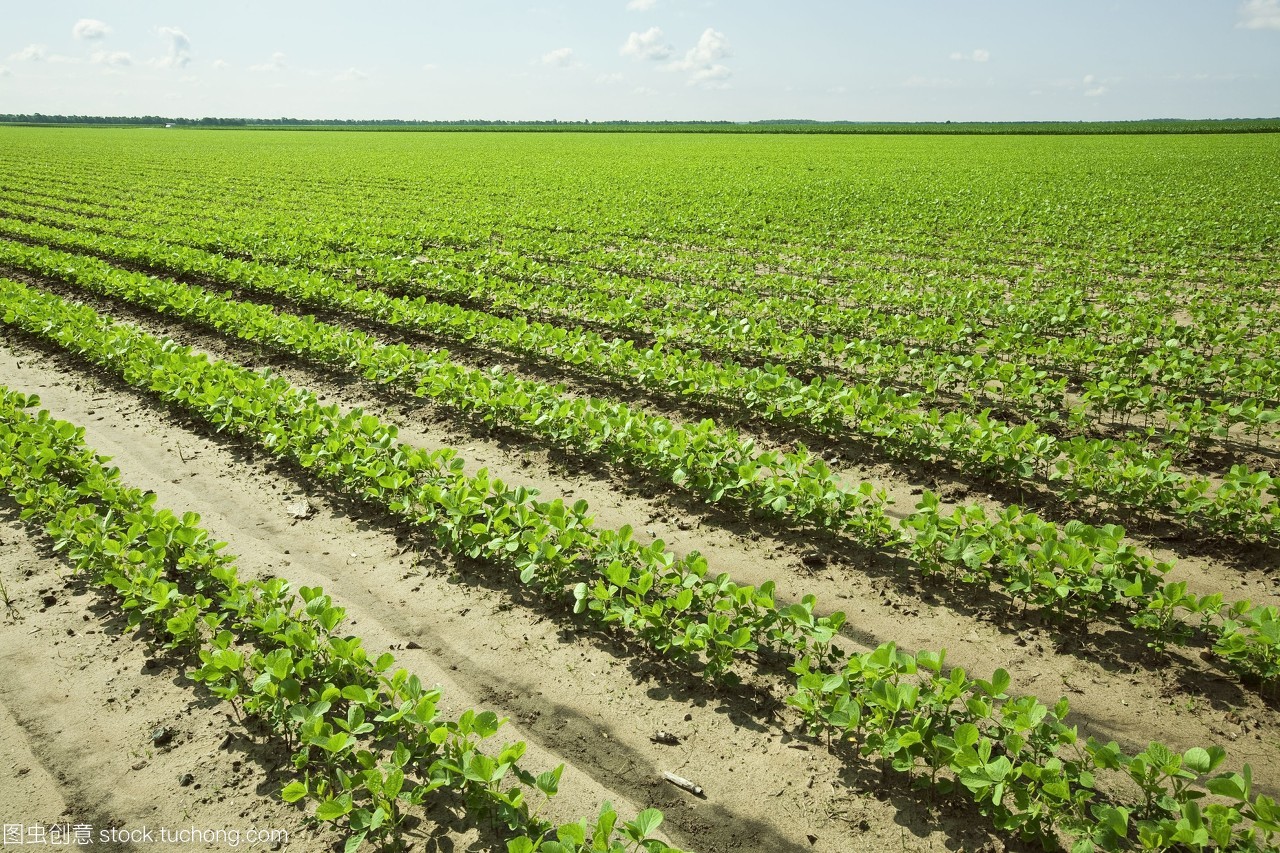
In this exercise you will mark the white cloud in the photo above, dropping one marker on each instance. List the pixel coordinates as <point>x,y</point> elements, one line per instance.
<point>645,90</point>
<point>351,75</point>
<point>30,53</point>
<point>712,45</point>
<point>276,63</point>
<point>1093,87</point>
<point>560,57</point>
<point>89,29</point>
<point>607,79</point>
<point>5,72</point>
<point>179,53</point>
<point>646,45</point>
<point>1260,15</point>
<point>641,5</point>
<point>702,61</point>
<point>712,77</point>
<point>114,58</point>
<point>221,64</point>
<point>977,55</point>
<point>430,66</point>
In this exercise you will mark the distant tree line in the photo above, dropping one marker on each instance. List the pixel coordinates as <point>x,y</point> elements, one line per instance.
<point>1164,125</point>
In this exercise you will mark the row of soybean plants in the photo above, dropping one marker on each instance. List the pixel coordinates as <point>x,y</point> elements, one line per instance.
<point>1074,573</point>
<point>1155,376</point>
<point>1014,757</point>
<point>401,217</point>
<point>673,604</point>
<point>1112,476</point>
<point>367,739</point>
<point>1152,375</point>
<point>1019,322</point>
<point>1145,381</point>
<point>738,235</point>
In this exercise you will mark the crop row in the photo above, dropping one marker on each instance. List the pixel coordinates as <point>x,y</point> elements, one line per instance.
<point>1075,574</point>
<point>1109,475</point>
<point>1190,399</point>
<point>1006,753</point>
<point>670,603</point>
<point>368,740</point>
<point>1185,399</point>
<point>716,465</point>
<point>1043,305</point>
<point>1080,572</point>
<point>907,277</point>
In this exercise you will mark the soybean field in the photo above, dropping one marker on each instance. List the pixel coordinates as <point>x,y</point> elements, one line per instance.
<point>643,492</point>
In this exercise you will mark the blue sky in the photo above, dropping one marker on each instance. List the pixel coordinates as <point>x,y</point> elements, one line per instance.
<point>906,60</point>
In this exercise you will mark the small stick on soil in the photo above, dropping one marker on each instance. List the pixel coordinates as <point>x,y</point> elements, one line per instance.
<point>681,782</point>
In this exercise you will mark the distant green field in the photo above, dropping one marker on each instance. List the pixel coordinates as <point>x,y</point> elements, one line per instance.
<point>1063,198</point>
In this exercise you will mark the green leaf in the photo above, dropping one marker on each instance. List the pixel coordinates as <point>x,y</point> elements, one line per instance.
<point>393,784</point>
<point>1230,785</point>
<point>931,661</point>
<point>966,734</point>
<point>549,782</point>
<point>647,822</point>
<point>331,810</point>
<point>571,834</point>
<point>1000,681</point>
<point>293,792</point>
<point>1197,760</point>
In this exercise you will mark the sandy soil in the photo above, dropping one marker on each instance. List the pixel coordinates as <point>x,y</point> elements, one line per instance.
<point>97,733</point>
